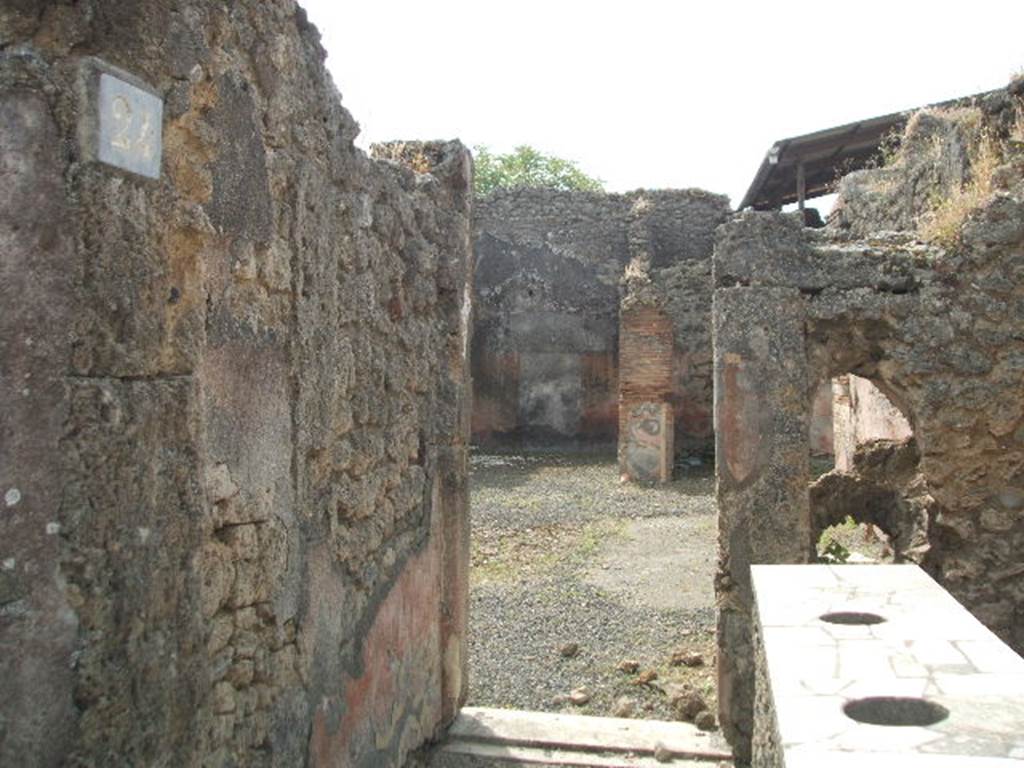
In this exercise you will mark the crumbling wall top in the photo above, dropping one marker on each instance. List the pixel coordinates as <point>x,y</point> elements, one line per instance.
<point>945,162</point>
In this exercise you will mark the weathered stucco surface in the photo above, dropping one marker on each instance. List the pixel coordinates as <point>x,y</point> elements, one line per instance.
<point>937,329</point>
<point>822,436</point>
<point>233,405</point>
<point>546,304</point>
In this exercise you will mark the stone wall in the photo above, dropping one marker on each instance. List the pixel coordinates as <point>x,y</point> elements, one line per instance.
<point>935,328</point>
<point>762,418</point>
<point>546,304</point>
<point>234,528</point>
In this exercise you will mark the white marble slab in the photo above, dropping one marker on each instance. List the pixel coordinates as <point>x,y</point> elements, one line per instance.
<point>928,646</point>
<point>130,127</point>
<point>121,119</point>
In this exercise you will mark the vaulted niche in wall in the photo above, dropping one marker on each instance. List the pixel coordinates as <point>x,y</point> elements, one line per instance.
<point>874,504</point>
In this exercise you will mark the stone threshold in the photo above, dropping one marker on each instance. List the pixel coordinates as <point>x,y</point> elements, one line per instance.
<point>482,736</point>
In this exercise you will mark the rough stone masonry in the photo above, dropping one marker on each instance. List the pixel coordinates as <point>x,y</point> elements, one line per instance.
<point>232,399</point>
<point>933,320</point>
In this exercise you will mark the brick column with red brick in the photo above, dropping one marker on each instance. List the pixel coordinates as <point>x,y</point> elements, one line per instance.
<point>646,425</point>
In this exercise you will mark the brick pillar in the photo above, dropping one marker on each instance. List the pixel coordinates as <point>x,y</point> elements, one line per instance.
<point>646,424</point>
<point>761,457</point>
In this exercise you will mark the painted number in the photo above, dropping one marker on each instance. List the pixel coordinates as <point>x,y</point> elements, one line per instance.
<point>129,137</point>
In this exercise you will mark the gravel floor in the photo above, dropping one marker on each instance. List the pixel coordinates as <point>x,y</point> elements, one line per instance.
<point>562,553</point>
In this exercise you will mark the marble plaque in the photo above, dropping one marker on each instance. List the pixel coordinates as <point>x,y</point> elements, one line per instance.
<point>129,134</point>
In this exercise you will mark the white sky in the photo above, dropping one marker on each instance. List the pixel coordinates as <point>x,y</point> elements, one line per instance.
<point>654,94</point>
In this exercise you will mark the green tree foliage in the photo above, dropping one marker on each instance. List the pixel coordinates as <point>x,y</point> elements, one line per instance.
<point>526,167</point>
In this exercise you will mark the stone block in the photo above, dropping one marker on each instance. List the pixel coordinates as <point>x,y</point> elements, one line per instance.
<point>38,627</point>
<point>131,525</point>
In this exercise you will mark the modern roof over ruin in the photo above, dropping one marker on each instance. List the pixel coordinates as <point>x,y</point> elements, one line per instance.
<point>816,161</point>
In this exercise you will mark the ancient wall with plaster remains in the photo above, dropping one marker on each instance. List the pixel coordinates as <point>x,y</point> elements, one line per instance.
<point>935,326</point>
<point>233,412</point>
<point>546,304</point>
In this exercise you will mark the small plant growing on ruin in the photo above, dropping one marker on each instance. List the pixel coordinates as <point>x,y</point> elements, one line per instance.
<point>419,162</point>
<point>943,223</point>
<point>834,553</point>
<point>830,549</point>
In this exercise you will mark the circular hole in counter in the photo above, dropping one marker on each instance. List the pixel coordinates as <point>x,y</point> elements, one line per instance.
<point>895,710</point>
<point>852,617</point>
